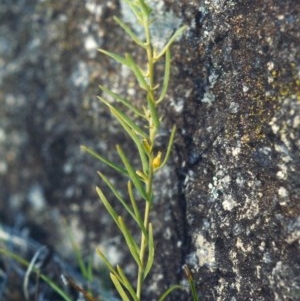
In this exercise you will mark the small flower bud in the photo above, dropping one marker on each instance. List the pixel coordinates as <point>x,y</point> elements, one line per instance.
<point>157,160</point>
<point>141,175</point>
<point>147,146</point>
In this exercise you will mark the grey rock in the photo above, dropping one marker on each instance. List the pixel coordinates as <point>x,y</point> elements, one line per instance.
<point>228,205</point>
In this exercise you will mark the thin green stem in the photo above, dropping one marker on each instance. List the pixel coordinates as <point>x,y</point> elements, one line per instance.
<point>152,135</point>
<point>141,181</point>
<point>148,206</point>
<point>141,270</point>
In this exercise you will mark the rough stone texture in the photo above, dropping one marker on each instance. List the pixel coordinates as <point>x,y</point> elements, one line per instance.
<point>229,204</point>
<point>239,149</point>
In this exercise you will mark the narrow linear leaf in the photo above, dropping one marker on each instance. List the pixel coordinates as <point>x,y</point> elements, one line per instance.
<point>137,72</point>
<point>166,77</point>
<point>169,291</point>
<point>151,248</point>
<point>24,262</point>
<point>89,269</point>
<point>169,148</point>
<point>122,117</point>
<point>117,195</point>
<point>191,282</point>
<point>119,287</point>
<point>176,35</point>
<point>128,30</point>
<point>56,288</point>
<point>147,146</point>
<point>137,213</point>
<point>104,160</point>
<point>138,142</point>
<point>111,269</point>
<point>78,254</point>
<point>133,247</point>
<point>134,250</point>
<point>106,261</point>
<point>146,9</point>
<point>127,284</point>
<point>118,274</point>
<point>124,101</point>
<point>135,9</point>
<point>116,57</point>
<point>134,214</point>
<point>153,110</point>
<point>132,174</point>
<point>142,176</point>
<point>140,9</point>
<point>107,205</point>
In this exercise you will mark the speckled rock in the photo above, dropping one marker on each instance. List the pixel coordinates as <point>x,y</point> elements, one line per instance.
<point>228,205</point>
<point>238,77</point>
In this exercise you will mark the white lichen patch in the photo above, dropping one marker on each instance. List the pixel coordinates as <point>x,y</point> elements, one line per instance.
<point>222,284</point>
<point>244,248</point>
<point>235,269</point>
<point>208,97</point>
<point>294,232</point>
<point>278,281</point>
<point>250,208</point>
<point>258,271</point>
<point>220,182</point>
<point>283,196</point>
<point>282,172</point>
<point>177,104</point>
<point>234,107</point>
<point>205,252</point>
<point>270,65</point>
<point>285,131</point>
<point>91,45</point>
<point>240,180</point>
<point>245,88</point>
<point>228,203</point>
<point>217,6</point>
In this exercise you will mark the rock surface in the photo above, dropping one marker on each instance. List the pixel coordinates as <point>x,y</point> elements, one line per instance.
<point>228,205</point>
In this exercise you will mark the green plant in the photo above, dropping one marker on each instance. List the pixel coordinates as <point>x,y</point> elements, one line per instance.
<point>142,129</point>
<point>191,281</point>
<point>31,268</point>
